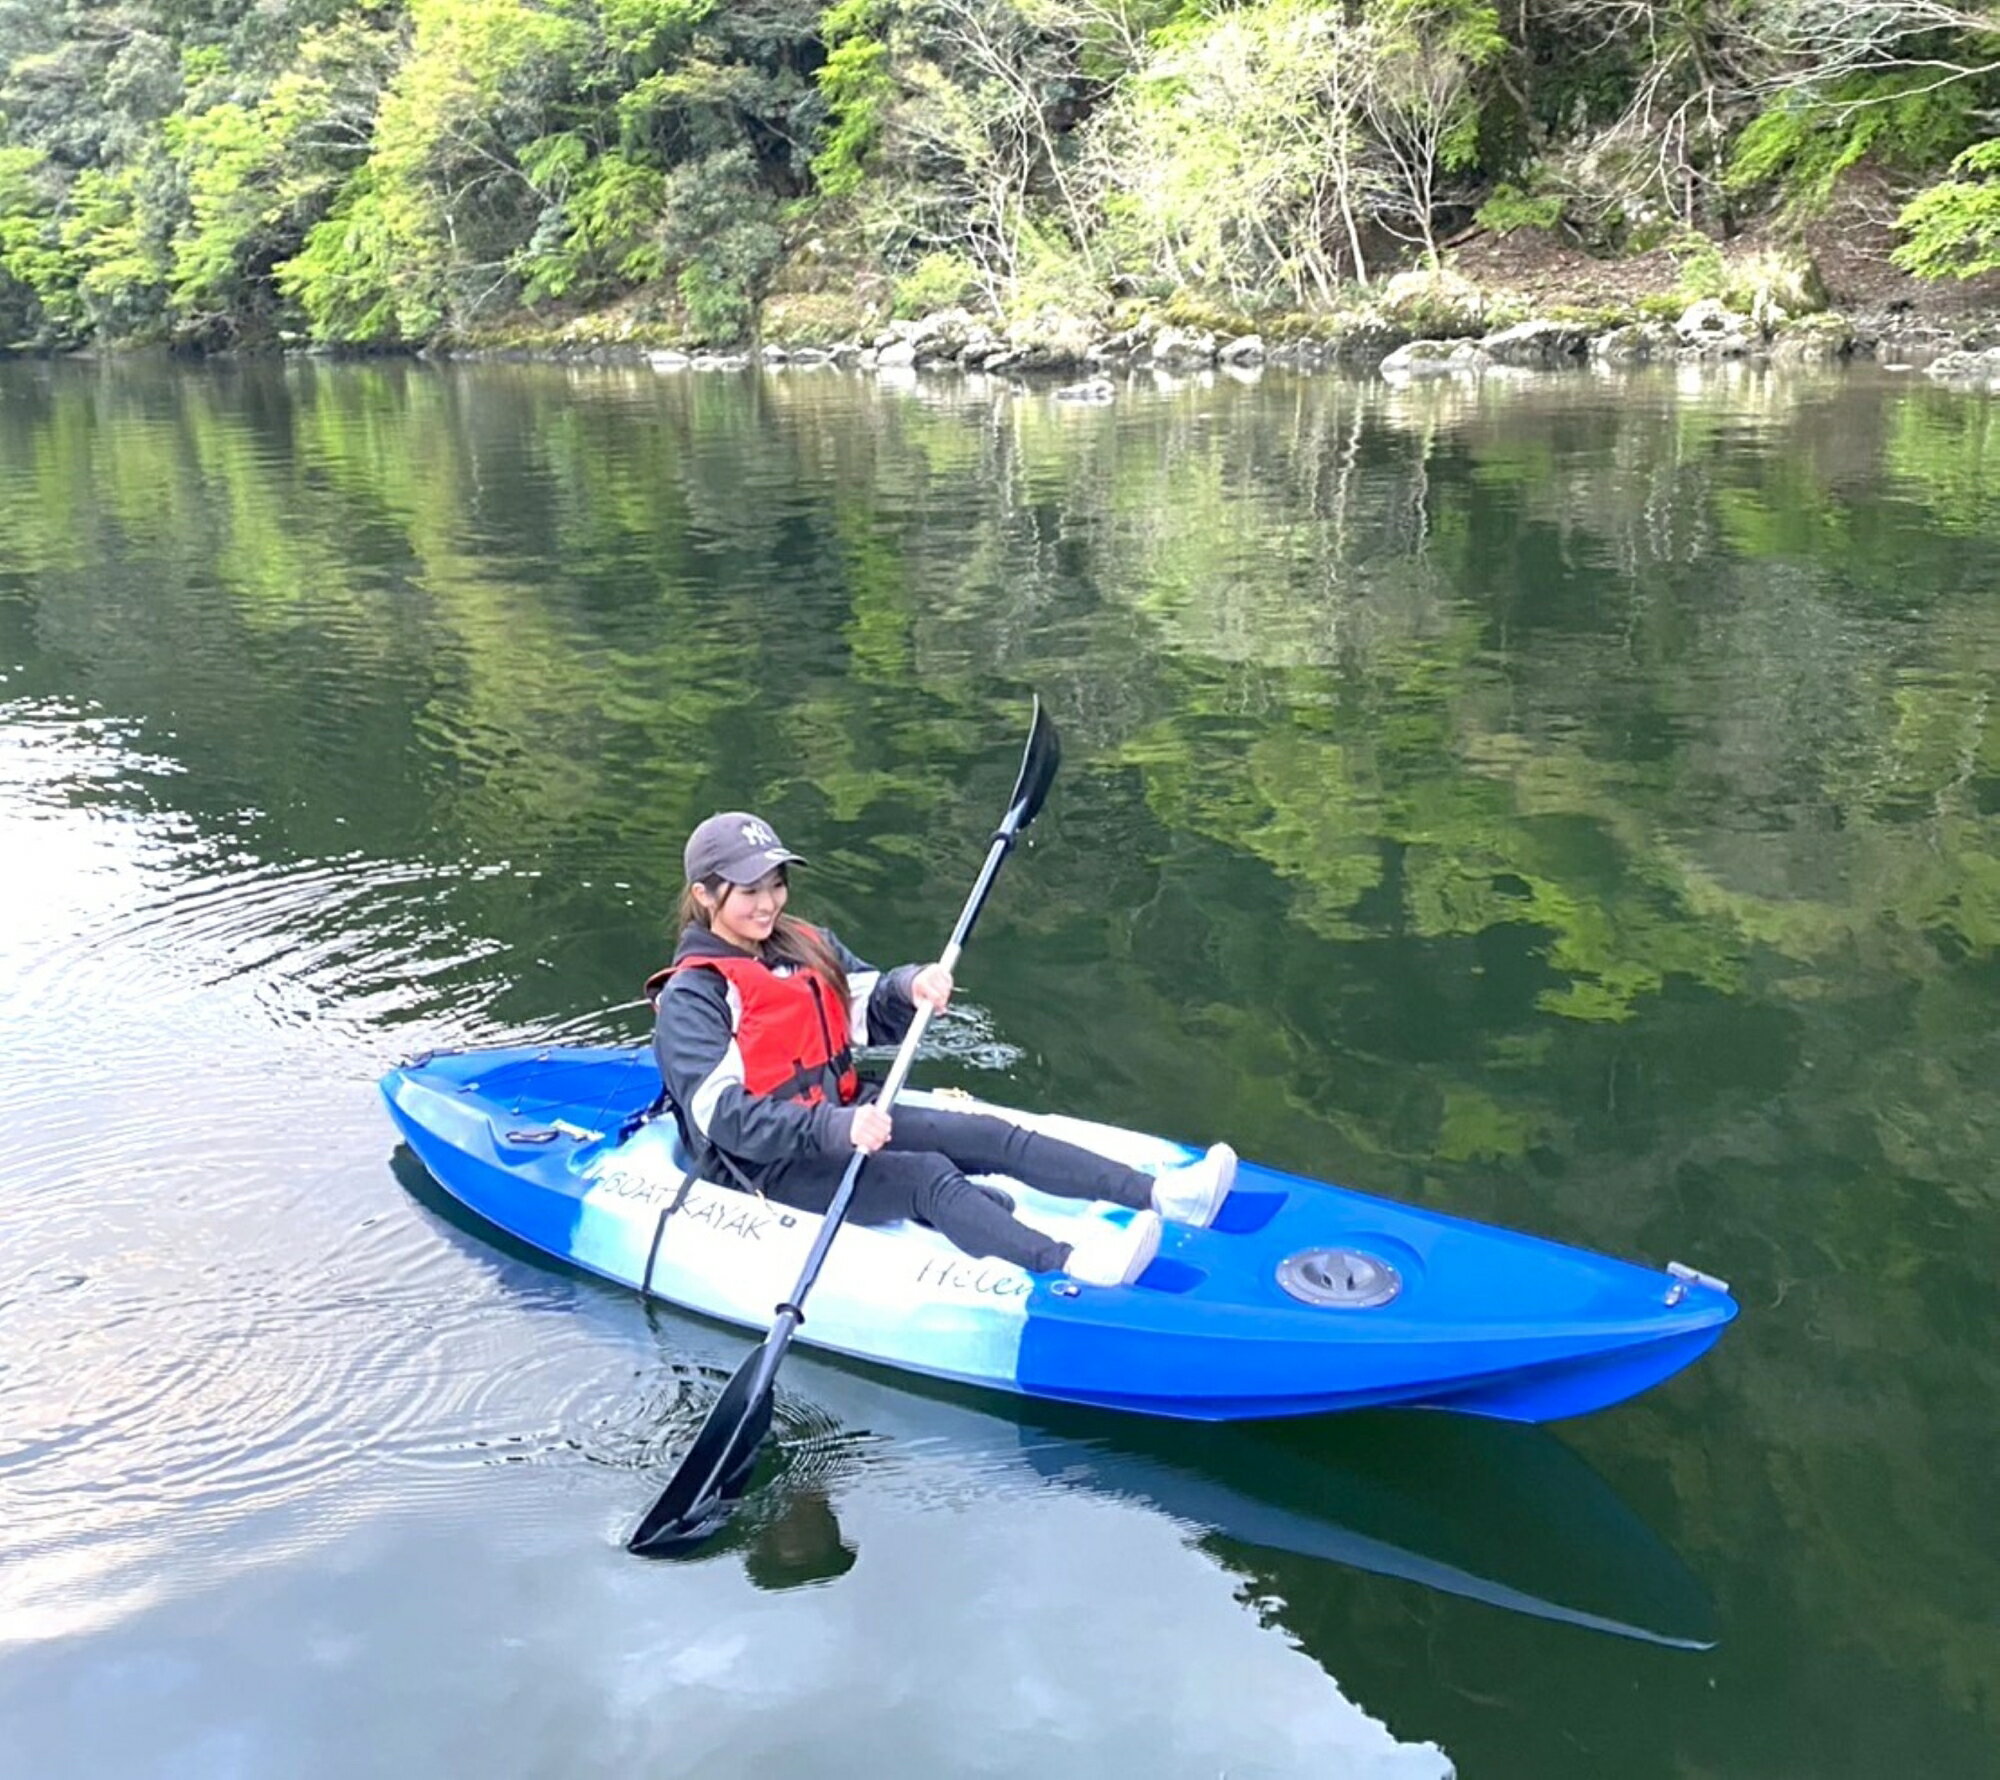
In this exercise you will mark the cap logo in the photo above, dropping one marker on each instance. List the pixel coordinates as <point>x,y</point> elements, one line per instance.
<point>755,834</point>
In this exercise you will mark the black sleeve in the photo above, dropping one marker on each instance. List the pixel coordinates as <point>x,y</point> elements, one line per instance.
<point>882,996</point>
<point>694,1042</point>
<point>892,1007</point>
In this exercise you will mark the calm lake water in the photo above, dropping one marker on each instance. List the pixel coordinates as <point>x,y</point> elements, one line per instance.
<point>1573,803</point>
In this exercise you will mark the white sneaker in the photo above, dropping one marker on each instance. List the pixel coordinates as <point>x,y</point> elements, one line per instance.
<point>1115,1254</point>
<point>1193,1193</point>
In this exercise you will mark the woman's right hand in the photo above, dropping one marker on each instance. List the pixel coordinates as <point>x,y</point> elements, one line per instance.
<point>871,1128</point>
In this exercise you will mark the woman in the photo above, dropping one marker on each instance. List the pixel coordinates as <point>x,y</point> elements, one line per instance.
<point>757,1018</point>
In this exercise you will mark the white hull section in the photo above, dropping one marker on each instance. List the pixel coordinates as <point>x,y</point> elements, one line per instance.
<point>899,1293</point>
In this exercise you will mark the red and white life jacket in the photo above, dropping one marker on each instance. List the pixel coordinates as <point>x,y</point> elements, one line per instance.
<point>791,1032</point>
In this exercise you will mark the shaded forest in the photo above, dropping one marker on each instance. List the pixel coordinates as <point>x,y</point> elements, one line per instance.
<point>217,173</point>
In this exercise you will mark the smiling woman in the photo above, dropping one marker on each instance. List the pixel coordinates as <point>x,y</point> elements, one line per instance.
<point>757,1019</point>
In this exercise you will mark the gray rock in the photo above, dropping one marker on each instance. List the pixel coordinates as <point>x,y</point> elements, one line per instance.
<point>1713,329</point>
<point>1975,368</point>
<point>941,338</point>
<point>1116,348</point>
<point>1433,305</point>
<point>1538,345</point>
<point>1246,349</point>
<point>1369,342</point>
<point>1813,339</point>
<point>1636,343</point>
<point>1303,354</point>
<point>1183,349</point>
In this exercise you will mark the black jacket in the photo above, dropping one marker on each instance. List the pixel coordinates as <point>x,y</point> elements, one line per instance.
<point>694,1042</point>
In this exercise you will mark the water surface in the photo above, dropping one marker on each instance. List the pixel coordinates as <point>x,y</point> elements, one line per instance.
<point>1568,802</point>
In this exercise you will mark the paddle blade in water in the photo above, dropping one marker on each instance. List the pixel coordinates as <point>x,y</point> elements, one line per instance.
<point>712,1477</point>
<point>1039,761</point>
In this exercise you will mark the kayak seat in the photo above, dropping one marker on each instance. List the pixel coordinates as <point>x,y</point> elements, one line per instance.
<point>677,1151</point>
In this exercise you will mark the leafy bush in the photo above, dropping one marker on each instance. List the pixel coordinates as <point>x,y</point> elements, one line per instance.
<point>600,226</point>
<point>858,88</point>
<point>1510,208</point>
<point>37,278</point>
<point>719,303</point>
<point>352,279</point>
<point>1051,277</point>
<point>937,281</point>
<point>721,227</point>
<point>118,257</point>
<point>1699,271</point>
<point>1235,157</point>
<point>1809,138</point>
<point>1954,228</point>
<point>1768,286</point>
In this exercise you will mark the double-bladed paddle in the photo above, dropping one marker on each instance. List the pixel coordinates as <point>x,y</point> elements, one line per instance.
<point>712,1477</point>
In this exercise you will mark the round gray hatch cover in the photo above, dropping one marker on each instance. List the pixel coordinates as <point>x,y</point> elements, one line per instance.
<point>1341,1278</point>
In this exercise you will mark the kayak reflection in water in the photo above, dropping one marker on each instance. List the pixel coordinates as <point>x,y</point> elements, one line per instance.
<point>1464,1509</point>
<point>756,1020</point>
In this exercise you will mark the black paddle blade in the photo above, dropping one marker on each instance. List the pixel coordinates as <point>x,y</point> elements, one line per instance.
<point>1039,761</point>
<point>711,1478</point>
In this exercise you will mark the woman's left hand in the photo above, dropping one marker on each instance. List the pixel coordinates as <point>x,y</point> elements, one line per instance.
<point>932,988</point>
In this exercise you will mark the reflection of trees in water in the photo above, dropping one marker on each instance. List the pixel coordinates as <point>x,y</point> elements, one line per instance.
<point>1576,803</point>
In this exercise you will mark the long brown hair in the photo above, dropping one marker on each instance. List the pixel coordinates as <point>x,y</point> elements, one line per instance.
<point>792,941</point>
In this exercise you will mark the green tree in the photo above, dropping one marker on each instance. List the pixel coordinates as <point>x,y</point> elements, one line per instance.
<point>1234,157</point>
<point>423,236</point>
<point>1954,227</point>
<point>1419,99</point>
<point>113,230</point>
<point>259,175</point>
<point>37,278</point>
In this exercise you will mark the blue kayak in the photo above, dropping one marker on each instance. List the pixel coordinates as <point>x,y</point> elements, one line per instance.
<point>1302,1298</point>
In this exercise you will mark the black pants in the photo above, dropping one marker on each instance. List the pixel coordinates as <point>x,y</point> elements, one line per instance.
<point>920,1173</point>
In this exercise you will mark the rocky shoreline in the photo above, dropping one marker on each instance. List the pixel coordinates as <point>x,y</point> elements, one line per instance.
<point>1416,326</point>
<point>1445,338</point>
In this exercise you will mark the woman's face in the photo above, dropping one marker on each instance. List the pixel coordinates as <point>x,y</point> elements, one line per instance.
<point>743,914</point>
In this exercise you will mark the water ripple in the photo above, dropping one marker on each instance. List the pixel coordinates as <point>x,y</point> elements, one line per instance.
<point>220,1308</point>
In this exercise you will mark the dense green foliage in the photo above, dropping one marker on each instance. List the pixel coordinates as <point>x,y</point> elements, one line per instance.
<point>396,171</point>
<point>1955,226</point>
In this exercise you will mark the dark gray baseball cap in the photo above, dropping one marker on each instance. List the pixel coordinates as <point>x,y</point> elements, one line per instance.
<point>737,847</point>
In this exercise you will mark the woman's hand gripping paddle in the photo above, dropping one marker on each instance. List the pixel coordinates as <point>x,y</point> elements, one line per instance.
<point>712,1477</point>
